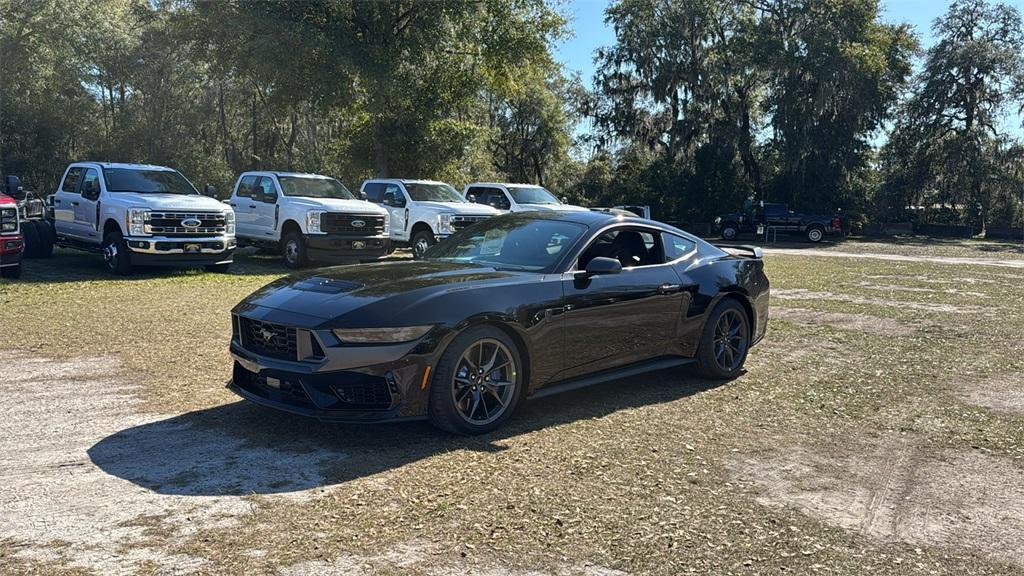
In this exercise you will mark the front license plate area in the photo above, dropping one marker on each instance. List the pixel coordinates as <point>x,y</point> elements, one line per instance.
<point>358,245</point>
<point>193,249</point>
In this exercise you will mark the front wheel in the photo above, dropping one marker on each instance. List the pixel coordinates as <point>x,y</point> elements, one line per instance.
<point>815,234</point>
<point>729,232</point>
<point>42,244</point>
<point>293,250</point>
<point>421,241</point>
<point>477,383</point>
<point>115,254</point>
<point>724,342</point>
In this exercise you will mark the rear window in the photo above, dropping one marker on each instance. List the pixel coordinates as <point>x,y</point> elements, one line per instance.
<point>147,181</point>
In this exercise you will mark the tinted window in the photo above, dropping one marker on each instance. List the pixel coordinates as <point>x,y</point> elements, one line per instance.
<point>71,180</point>
<point>676,247</point>
<point>374,191</point>
<point>314,187</point>
<point>421,192</point>
<point>532,195</point>
<point>264,187</point>
<point>630,247</point>
<point>147,181</point>
<point>91,182</point>
<point>511,242</point>
<point>480,195</point>
<point>245,187</point>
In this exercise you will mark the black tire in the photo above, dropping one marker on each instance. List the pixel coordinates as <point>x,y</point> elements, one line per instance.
<point>815,234</point>
<point>730,232</point>
<point>718,363</point>
<point>44,247</point>
<point>12,272</point>
<point>293,250</point>
<point>444,408</point>
<point>31,236</point>
<point>420,242</point>
<point>115,254</point>
<point>218,268</point>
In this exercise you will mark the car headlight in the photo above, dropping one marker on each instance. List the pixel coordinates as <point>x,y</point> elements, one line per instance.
<point>444,223</point>
<point>229,223</point>
<point>387,224</point>
<point>137,218</point>
<point>381,335</point>
<point>8,220</point>
<point>313,222</point>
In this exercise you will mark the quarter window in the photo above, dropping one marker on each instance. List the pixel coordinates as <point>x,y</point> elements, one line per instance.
<point>676,246</point>
<point>71,180</point>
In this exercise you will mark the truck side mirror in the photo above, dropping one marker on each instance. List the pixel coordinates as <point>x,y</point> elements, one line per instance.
<point>471,198</point>
<point>362,195</point>
<point>12,184</point>
<point>210,190</point>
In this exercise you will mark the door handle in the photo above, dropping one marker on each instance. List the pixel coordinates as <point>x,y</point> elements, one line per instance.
<point>232,204</point>
<point>667,288</point>
<point>252,205</point>
<point>73,203</point>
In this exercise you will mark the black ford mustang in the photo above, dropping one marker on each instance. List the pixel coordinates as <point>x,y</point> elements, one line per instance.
<point>518,306</point>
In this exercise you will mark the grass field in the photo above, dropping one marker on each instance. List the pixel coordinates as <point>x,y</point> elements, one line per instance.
<point>879,429</point>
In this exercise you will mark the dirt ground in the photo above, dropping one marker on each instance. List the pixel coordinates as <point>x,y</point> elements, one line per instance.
<point>879,429</point>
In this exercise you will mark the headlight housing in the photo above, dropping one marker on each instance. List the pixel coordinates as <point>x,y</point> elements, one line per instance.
<point>8,219</point>
<point>444,223</point>
<point>137,218</point>
<point>381,335</point>
<point>313,222</point>
<point>387,224</point>
<point>229,223</point>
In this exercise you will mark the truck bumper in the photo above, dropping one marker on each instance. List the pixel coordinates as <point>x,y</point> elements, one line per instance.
<point>11,249</point>
<point>337,247</point>
<point>169,251</point>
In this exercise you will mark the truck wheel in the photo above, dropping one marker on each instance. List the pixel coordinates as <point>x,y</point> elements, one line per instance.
<point>31,234</point>
<point>115,254</point>
<point>729,232</point>
<point>420,242</point>
<point>815,234</point>
<point>293,250</point>
<point>44,248</point>
<point>11,271</point>
<point>218,268</point>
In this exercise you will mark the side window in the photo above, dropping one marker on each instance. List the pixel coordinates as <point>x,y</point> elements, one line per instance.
<point>246,187</point>
<point>479,194</point>
<point>630,247</point>
<point>91,184</point>
<point>374,192</point>
<point>498,200</point>
<point>264,190</point>
<point>71,180</point>
<point>393,189</point>
<point>676,246</point>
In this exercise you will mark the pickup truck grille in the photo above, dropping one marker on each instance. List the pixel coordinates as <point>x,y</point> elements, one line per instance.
<point>171,224</point>
<point>460,222</point>
<point>268,339</point>
<point>338,223</point>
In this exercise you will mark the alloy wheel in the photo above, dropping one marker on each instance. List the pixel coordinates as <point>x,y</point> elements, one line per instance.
<point>730,340</point>
<point>291,251</point>
<point>484,382</point>
<point>420,247</point>
<point>814,235</point>
<point>110,255</point>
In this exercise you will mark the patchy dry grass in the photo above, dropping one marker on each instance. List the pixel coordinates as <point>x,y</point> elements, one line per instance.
<point>661,474</point>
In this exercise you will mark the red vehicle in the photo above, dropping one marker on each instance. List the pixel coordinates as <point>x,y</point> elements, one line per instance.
<point>11,243</point>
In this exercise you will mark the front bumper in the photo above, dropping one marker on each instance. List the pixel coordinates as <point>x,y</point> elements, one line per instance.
<point>179,251</point>
<point>346,247</point>
<point>11,250</point>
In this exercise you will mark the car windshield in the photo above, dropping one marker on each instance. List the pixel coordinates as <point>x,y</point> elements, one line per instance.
<point>421,192</point>
<point>511,242</point>
<point>532,195</point>
<point>314,187</point>
<point>147,181</point>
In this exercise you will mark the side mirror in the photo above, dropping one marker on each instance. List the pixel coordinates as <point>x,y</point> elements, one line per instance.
<point>210,190</point>
<point>563,200</point>
<point>392,199</point>
<point>602,266</point>
<point>362,195</point>
<point>471,198</point>
<point>12,184</point>
<point>268,197</point>
<point>90,190</point>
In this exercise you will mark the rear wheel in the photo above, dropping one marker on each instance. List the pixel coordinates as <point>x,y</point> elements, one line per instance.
<point>32,241</point>
<point>724,342</point>
<point>115,254</point>
<point>815,234</point>
<point>729,232</point>
<point>421,241</point>
<point>477,383</point>
<point>46,237</point>
<point>293,250</point>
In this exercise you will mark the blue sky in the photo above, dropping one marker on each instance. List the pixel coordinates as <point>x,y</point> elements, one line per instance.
<point>587,18</point>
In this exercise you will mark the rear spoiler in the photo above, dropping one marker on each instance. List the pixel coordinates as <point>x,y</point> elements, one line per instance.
<point>751,251</point>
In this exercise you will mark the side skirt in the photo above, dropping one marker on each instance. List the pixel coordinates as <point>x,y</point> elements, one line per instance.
<point>614,374</point>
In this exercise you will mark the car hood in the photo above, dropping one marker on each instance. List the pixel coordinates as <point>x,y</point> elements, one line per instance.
<point>169,201</point>
<point>337,205</point>
<point>466,208</point>
<point>389,288</point>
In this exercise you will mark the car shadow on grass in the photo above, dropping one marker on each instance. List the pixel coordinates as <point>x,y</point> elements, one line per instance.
<point>240,449</point>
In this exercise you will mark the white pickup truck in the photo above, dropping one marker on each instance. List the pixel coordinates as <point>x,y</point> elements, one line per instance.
<point>423,211</point>
<point>137,214</point>
<point>516,197</point>
<point>307,217</point>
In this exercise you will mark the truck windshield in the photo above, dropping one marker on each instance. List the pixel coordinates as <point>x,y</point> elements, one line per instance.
<point>531,195</point>
<point>314,187</point>
<point>147,181</point>
<point>421,192</point>
<point>521,241</point>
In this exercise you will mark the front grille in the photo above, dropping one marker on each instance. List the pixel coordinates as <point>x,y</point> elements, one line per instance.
<point>363,392</point>
<point>337,223</point>
<point>170,224</point>
<point>268,339</point>
<point>460,222</point>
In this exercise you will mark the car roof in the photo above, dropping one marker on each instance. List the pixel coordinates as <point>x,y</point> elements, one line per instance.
<point>405,181</point>
<point>289,174</point>
<point>505,184</point>
<point>124,165</point>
